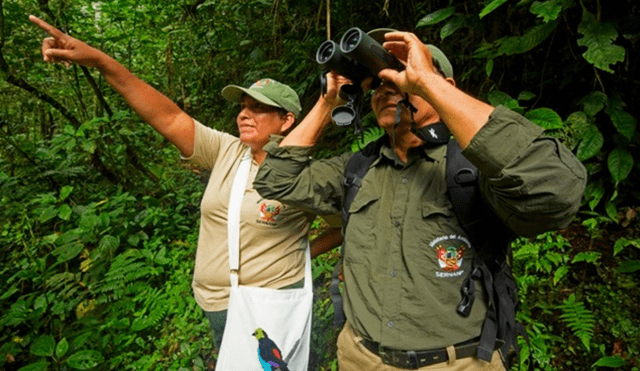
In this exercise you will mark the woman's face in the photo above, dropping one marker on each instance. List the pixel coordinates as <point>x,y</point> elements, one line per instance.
<point>257,121</point>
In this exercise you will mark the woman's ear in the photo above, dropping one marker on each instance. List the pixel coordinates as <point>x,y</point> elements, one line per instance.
<point>289,120</point>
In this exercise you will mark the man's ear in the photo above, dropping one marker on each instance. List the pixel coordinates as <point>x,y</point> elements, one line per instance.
<point>450,80</point>
<point>289,120</point>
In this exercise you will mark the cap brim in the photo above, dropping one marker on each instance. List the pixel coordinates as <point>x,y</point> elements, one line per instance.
<point>234,93</point>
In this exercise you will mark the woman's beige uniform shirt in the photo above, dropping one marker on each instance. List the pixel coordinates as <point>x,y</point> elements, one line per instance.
<point>273,236</point>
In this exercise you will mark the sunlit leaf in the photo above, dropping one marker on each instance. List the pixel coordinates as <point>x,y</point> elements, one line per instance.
<point>545,118</point>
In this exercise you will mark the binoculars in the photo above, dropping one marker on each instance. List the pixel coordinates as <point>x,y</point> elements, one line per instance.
<point>357,57</point>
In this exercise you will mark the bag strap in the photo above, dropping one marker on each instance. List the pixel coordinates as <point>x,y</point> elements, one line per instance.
<point>233,215</point>
<point>357,167</point>
<point>233,224</point>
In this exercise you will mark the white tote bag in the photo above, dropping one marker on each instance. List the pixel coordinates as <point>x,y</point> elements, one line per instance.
<point>266,329</point>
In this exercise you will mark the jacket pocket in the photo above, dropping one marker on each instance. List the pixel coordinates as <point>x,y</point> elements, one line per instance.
<point>362,229</point>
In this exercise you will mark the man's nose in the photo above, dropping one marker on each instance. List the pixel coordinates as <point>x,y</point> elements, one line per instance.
<point>383,90</point>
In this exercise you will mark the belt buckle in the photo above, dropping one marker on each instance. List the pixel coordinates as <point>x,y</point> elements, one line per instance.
<point>413,360</point>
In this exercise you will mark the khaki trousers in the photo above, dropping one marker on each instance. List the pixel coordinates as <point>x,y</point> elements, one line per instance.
<point>353,356</point>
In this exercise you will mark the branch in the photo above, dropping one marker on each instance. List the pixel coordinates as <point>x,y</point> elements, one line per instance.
<point>22,84</point>
<point>96,89</point>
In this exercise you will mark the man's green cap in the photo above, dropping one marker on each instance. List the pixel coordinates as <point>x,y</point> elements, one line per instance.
<point>267,91</point>
<point>440,60</point>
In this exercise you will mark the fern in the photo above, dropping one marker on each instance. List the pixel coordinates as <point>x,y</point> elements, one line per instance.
<point>579,319</point>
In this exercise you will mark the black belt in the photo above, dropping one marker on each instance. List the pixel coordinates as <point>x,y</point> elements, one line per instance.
<point>410,359</point>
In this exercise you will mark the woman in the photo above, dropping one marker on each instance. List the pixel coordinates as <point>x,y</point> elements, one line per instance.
<point>274,236</point>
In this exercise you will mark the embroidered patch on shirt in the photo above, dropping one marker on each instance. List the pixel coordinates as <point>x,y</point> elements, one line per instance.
<point>450,251</point>
<point>269,212</point>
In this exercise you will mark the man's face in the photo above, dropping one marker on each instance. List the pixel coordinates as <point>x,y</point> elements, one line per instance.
<point>257,121</point>
<point>384,103</point>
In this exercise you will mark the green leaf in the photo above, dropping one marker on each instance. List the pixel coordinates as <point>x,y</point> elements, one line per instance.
<point>497,98</point>
<point>548,10</point>
<point>64,212</point>
<point>489,67</point>
<point>62,348</point>
<point>85,359</point>
<point>47,214</point>
<point>624,123</point>
<point>620,163</point>
<point>532,38</point>
<point>598,38</point>
<point>109,244</point>
<point>559,273</point>
<point>545,118</point>
<point>69,245</point>
<point>65,192</point>
<point>578,122</point>
<point>590,144</point>
<point>622,243</point>
<point>43,346</point>
<point>435,17</point>
<point>452,26</point>
<point>491,7</point>
<point>593,103</point>
<point>629,266</point>
<point>39,366</point>
<point>609,361</point>
<point>587,257</point>
<point>611,209</point>
<point>526,95</point>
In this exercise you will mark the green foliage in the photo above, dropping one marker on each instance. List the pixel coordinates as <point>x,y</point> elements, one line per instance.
<point>579,319</point>
<point>598,38</point>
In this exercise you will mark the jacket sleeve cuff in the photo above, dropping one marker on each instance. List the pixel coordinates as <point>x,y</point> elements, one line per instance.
<point>504,137</point>
<point>289,160</point>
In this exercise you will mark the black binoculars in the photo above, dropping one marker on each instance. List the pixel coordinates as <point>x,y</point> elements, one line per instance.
<point>357,57</point>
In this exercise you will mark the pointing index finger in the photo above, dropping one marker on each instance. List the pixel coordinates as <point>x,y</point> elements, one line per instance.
<point>46,26</point>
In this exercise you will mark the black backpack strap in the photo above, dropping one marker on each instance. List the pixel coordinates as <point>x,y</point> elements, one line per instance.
<point>354,172</point>
<point>462,180</point>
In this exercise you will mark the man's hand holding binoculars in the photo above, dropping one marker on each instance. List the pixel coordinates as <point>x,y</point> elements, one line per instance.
<point>416,57</point>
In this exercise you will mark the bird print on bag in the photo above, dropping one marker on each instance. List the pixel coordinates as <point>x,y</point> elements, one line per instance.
<point>269,354</point>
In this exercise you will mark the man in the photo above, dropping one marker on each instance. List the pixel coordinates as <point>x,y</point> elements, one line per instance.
<point>399,296</point>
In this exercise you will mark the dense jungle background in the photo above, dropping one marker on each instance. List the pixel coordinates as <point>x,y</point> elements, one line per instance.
<point>99,217</point>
